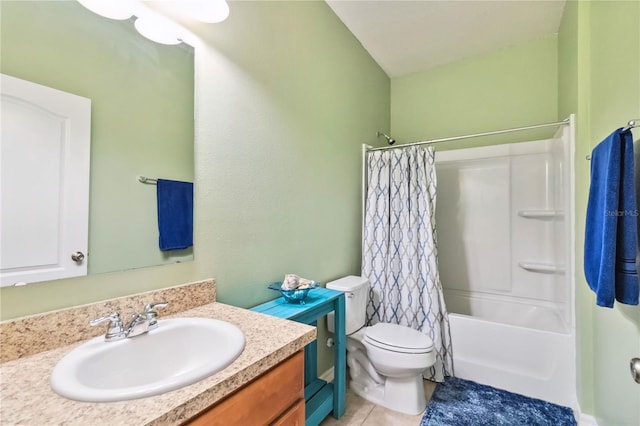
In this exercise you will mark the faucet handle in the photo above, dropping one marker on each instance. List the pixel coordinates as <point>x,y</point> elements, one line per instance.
<point>149,307</point>
<point>115,329</point>
<point>151,313</point>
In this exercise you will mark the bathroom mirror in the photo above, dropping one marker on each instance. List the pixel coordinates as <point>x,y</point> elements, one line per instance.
<point>142,117</point>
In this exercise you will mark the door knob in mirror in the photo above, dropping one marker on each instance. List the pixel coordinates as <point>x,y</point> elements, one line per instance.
<point>77,257</point>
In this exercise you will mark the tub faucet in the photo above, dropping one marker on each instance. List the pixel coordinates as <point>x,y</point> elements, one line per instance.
<point>140,323</point>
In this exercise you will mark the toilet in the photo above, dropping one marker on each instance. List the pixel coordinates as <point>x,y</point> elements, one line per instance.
<point>385,361</point>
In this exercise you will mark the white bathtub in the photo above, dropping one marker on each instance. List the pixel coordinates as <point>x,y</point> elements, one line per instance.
<point>528,313</point>
<point>506,255</point>
<point>528,361</point>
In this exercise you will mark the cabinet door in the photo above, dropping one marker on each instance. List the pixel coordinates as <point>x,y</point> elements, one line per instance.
<point>263,401</point>
<point>45,144</point>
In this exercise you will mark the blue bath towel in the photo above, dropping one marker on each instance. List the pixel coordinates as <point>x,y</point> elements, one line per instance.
<point>611,235</point>
<point>175,214</point>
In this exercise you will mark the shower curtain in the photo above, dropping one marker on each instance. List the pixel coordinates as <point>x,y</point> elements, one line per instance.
<point>399,255</point>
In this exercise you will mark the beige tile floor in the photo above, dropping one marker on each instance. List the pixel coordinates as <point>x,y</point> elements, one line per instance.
<point>362,412</point>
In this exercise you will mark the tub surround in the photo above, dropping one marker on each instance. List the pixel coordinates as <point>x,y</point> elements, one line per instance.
<point>35,344</point>
<point>510,302</point>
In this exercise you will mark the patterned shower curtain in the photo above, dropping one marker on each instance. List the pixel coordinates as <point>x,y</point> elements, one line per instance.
<point>399,255</point>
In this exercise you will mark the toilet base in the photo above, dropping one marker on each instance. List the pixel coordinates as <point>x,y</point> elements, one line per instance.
<point>405,395</point>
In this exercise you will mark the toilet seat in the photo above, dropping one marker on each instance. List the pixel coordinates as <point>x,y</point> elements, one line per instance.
<point>398,338</point>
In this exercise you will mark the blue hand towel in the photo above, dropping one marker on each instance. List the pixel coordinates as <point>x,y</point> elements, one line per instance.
<point>175,214</point>
<point>611,235</point>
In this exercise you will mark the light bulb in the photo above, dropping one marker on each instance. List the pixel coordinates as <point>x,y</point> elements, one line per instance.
<point>112,9</point>
<point>209,11</point>
<point>158,29</point>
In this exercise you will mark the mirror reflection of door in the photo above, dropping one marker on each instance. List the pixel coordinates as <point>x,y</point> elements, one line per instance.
<point>45,145</point>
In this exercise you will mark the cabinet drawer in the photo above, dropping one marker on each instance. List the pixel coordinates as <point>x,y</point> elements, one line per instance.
<point>293,417</point>
<point>263,400</point>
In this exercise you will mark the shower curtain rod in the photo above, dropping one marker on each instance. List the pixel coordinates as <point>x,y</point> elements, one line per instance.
<point>475,135</point>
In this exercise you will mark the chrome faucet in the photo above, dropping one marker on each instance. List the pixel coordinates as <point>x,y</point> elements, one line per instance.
<point>115,329</point>
<point>144,321</point>
<point>140,323</point>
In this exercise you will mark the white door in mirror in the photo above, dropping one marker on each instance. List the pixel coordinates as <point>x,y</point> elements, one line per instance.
<point>178,353</point>
<point>45,145</point>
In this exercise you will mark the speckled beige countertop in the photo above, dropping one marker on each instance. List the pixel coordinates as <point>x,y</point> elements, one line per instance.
<point>26,397</point>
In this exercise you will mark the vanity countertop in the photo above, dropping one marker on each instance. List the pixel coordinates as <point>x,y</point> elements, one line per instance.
<point>26,397</point>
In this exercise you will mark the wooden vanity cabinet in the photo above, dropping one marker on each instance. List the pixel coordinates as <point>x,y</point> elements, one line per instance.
<point>274,398</point>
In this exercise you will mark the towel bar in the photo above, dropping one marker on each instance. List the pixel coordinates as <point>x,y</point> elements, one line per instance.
<point>631,124</point>
<point>149,181</point>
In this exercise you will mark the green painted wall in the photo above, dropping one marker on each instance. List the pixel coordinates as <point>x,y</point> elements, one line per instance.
<point>511,87</point>
<point>142,116</point>
<point>285,96</point>
<point>572,46</point>
<point>281,120</point>
<point>600,46</point>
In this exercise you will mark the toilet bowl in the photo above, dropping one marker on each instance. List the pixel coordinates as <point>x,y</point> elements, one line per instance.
<point>385,361</point>
<point>398,351</point>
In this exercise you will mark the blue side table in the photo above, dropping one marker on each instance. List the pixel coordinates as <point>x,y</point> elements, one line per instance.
<point>321,397</point>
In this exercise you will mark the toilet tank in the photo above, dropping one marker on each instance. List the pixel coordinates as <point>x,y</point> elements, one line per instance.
<point>356,291</point>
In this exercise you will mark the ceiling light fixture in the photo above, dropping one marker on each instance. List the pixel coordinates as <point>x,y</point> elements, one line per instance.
<point>112,9</point>
<point>209,11</point>
<point>154,25</point>
<point>157,28</point>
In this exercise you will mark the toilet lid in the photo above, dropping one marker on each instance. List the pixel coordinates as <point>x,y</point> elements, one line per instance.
<point>398,338</point>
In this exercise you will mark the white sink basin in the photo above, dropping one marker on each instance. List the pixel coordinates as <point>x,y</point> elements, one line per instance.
<point>179,352</point>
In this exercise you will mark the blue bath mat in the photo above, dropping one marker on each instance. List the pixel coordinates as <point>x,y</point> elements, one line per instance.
<point>458,402</point>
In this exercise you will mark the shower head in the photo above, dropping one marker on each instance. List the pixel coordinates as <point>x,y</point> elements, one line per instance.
<point>389,139</point>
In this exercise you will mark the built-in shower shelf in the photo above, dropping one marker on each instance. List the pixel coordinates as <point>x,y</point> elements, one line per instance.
<point>545,268</point>
<point>540,214</point>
